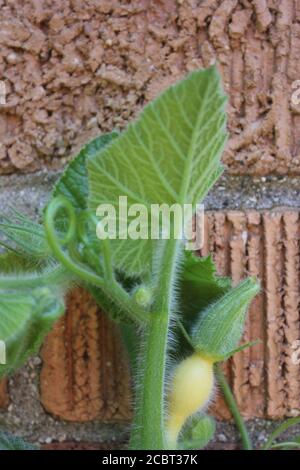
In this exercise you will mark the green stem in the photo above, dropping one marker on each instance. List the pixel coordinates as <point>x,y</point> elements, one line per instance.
<point>108,266</point>
<point>148,427</point>
<point>111,288</point>
<point>288,445</point>
<point>185,334</point>
<point>232,405</point>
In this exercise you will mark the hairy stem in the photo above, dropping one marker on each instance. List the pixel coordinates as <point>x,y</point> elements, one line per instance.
<point>110,287</point>
<point>232,405</point>
<point>148,427</point>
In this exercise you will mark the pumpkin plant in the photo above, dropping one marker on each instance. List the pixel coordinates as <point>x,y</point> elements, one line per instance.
<point>177,317</point>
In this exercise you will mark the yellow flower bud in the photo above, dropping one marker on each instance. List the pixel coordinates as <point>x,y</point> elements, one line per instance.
<point>191,389</point>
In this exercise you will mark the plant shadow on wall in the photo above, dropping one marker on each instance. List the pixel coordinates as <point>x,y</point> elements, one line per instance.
<point>168,302</point>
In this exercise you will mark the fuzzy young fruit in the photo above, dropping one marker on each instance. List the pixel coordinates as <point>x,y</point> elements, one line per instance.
<point>191,389</point>
<point>143,296</point>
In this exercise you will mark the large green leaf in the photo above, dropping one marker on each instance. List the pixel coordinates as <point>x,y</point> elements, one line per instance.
<point>26,316</point>
<point>11,263</point>
<point>18,272</point>
<point>23,236</point>
<point>170,155</point>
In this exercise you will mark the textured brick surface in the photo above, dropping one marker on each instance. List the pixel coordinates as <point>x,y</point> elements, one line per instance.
<point>264,378</point>
<point>73,69</point>
<point>84,375</point>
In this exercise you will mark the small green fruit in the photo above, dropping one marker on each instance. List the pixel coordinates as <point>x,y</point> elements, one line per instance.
<point>143,296</point>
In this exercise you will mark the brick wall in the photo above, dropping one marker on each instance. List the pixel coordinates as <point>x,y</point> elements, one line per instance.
<point>73,71</point>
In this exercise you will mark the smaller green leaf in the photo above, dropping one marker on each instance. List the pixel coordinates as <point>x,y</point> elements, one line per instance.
<point>288,445</point>
<point>24,236</point>
<point>11,262</point>
<point>200,284</point>
<point>19,272</point>
<point>280,430</point>
<point>10,442</point>
<point>203,268</point>
<point>198,433</point>
<point>26,316</point>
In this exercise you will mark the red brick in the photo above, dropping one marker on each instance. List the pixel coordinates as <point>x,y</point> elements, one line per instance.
<point>100,82</point>
<point>85,372</point>
<point>265,381</point>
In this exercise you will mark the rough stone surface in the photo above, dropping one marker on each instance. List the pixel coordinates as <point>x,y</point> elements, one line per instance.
<point>27,193</point>
<point>26,417</point>
<point>74,69</point>
<point>30,192</point>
